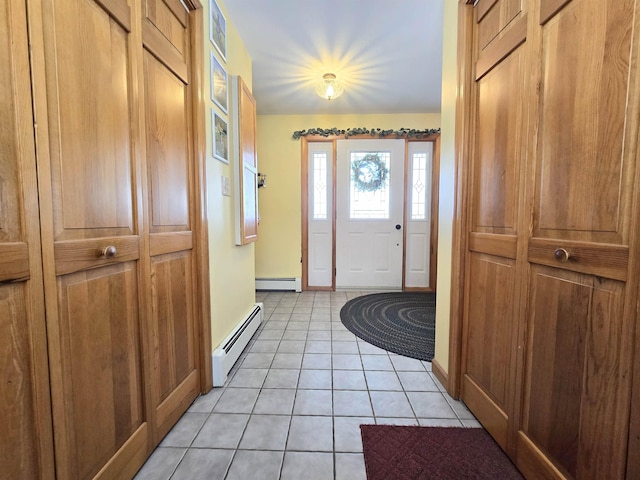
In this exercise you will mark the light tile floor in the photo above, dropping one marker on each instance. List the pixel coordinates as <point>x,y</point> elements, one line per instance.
<point>294,401</point>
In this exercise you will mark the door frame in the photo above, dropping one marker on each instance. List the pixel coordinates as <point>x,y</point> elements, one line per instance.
<point>201,237</point>
<point>451,379</point>
<point>435,182</point>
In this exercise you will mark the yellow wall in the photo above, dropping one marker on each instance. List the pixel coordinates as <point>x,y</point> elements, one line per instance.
<point>277,252</point>
<point>447,181</point>
<point>278,249</point>
<point>231,267</point>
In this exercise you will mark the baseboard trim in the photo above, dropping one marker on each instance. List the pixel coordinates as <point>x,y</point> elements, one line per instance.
<point>440,374</point>
<point>279,284</point>
<point>226,355</point>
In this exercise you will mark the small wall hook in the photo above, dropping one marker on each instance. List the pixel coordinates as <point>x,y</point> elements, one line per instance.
<point>262,180</point>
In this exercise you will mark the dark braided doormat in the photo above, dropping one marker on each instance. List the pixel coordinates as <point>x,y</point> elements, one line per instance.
<point>427,453</point>
<point>401,322</point>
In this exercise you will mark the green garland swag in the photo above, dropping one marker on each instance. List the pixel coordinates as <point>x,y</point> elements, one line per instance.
<point>369,174</point>
<point>349,132</point>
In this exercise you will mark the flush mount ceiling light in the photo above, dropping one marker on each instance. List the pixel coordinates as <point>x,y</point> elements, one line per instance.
<point>329,87</point>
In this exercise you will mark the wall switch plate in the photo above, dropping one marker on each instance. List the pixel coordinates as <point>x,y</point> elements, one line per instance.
<point>226,186</point>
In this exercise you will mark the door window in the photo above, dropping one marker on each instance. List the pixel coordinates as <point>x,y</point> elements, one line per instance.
<point>369,193</point>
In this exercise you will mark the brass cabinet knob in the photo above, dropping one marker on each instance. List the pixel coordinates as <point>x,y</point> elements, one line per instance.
<point>561,255</point>
<point>109,251</point>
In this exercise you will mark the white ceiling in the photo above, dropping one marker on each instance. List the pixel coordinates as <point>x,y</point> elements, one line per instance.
<point>388,53</point>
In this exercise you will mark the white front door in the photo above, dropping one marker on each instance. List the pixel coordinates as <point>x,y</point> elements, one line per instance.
<point>369,213</point>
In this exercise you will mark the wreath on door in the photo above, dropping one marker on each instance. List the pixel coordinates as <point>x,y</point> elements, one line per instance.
<point>369,174</point>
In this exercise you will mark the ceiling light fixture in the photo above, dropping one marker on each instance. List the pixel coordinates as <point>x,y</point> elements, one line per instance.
<point>329,87</point>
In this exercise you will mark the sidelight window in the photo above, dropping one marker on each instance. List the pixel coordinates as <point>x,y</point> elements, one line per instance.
<point>320,186</point>
<point>418,186</point>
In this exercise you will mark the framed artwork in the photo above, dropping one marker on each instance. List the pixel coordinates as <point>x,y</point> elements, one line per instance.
<point>219,84</point>
<point>220,137</point>
<point>218,33</point>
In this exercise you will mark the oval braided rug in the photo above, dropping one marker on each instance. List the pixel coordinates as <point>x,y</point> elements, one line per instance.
<point>400,322</point>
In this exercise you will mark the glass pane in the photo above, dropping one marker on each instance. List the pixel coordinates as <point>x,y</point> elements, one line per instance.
<point>319,186</point>
<point>419,184</point>
<point>369,192</point>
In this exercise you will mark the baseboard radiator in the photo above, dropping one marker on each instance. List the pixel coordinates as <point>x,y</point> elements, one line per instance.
<point>227,354</point>
<point>281,284</point>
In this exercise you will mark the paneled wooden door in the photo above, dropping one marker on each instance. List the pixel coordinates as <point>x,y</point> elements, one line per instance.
<point>246,171</point>
<point>495,259</point>
<point>90,195</point>
<point>26,446</point>
<point>170,171</point>
<point>584,244</point>
<point>551,279</point>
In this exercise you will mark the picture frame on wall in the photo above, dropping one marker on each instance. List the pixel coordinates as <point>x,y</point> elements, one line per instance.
<point>219,84</point>
<point>220,137</point>
<point>218,29</point>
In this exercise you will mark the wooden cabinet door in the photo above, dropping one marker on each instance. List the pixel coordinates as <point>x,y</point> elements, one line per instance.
<point>495,257</point>
<point>170,168</point>
<point>26,444</point>
<point>89,197</point>
<point>245,135</point>
<point>584,243</point>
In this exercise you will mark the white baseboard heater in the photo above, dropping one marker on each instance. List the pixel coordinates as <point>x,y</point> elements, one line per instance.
<point>227,354</point>
<point>281,284</point>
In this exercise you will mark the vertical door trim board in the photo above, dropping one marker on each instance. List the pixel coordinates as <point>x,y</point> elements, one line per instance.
<point>201,239</point>
<point>22,35</point>
<point>304,209</point>
<point>405,215</point>
<point>461,190</point>
<point>435,209</point>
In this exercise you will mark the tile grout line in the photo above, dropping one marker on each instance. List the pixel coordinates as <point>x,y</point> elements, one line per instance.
<point>326,303</point>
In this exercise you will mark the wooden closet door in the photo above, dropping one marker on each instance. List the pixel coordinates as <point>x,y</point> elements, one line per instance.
<point>26,443</point>
<point>495,257</point>
<point>170,178</point>
<point>247,169</point>
<point>584,244</point>
<point>88,178</point>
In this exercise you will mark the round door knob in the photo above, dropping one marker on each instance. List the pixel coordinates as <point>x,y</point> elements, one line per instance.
<point>398,227</point>
<point>561,255</point>
<point>109,251</point>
